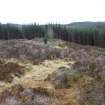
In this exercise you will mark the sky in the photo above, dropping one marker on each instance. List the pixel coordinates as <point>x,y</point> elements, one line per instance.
<point>51,11</point>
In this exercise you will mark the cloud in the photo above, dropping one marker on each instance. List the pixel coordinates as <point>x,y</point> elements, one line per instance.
<point>44,11</point>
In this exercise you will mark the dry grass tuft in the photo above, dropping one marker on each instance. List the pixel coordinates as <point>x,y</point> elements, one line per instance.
<point>41,86</point>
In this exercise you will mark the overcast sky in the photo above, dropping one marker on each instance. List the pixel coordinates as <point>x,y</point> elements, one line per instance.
<point>51,11</point>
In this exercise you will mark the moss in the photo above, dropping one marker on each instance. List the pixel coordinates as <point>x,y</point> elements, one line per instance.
<point>26,103</point>
<point>89,103</point>
<point>72,79</point>
<point>92,66</point>
<point>81,79</point>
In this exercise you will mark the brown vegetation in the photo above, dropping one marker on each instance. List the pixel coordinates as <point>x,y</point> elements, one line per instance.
<point>9,70</point>
<point>54,74</point>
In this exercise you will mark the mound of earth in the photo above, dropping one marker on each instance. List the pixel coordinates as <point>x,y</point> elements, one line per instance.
<point>9,70</point>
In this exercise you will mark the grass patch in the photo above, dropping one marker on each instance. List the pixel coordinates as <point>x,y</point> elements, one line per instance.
<point>89,103</point>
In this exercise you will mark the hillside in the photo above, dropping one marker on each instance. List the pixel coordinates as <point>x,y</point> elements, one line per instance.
<point>87,25</point>
<point>58,73</point>
<point>84,33</point>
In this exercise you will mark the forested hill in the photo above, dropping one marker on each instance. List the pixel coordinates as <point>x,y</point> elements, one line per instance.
<point>87,24</point>
<point>86,33</point>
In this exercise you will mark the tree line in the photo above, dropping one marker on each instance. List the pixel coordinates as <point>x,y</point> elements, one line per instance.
<point>88,36</point>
